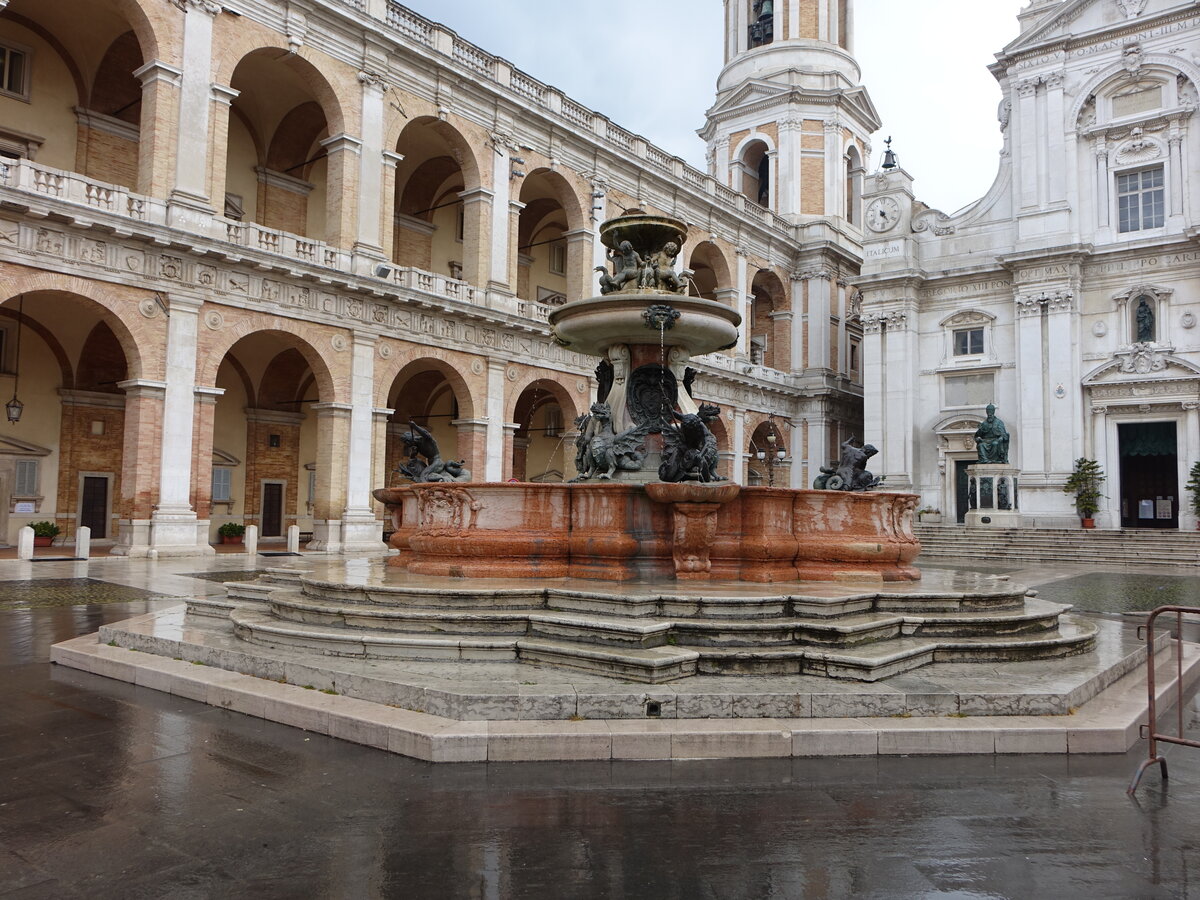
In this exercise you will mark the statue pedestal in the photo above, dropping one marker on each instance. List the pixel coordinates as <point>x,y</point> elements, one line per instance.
<point>993,495</point>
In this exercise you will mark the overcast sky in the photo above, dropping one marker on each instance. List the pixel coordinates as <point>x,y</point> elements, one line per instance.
<point>652,65</point>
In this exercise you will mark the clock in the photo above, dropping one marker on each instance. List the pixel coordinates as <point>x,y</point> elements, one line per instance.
<point>883,214</point>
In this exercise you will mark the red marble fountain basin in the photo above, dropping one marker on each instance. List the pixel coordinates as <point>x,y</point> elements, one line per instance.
<point>620,532</point>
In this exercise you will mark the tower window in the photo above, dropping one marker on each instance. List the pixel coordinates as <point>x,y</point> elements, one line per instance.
<point>762,24</point>
<point>1140,200</point>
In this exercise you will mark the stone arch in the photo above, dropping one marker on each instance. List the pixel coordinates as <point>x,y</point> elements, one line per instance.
<point>563,191</point>
<point>115,310</point>
<point>854,184</point>
<point>56,347</point>
<point>551,265</point>
<point>1115,74</point>
<point>293,334</point>
<point>713,279</point>
<point>552,383</point>
<point>246,44</point>
<point>448,363</point>
<point>535,453</point>
<point>753,170</point>
<point>461,149</point>
<point>768,337</point>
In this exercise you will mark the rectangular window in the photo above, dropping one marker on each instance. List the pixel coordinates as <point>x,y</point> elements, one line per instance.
<point>558,259</point>
<point>1140,203</point>
<point>969,390</point>
<point>27,478</point>
<point>553,422</point>
<point>222,482</point>
<point>14,72</point>
<point>968,341</point>
<point>854,356</point>
<point>460,224</point>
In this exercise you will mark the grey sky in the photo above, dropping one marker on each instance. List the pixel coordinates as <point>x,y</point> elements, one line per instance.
<point>924,63</point>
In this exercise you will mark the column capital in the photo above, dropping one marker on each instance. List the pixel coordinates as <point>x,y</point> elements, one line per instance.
<point>476,195</point>
<point>224,94</point>
<point>373,81</point>
<point>392,159</point>
<point>338,142</point>
<point>332,410</point>
<point>143,387</point>
<point>156,70</point>
<point>205,6</point>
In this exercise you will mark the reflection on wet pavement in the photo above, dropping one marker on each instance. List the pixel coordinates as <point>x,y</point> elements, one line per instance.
<point>108,790</point>
<point>1117,592</point>
<point>67,592</point>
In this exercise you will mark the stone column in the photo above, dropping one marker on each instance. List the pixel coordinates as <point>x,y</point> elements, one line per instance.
<point>368,242</point>
<point>817,320</point>
<point>874,373</point>
<point>380,476</point>
<point>835,167</point>
<point>333,438</point>
<point>1175,169</point>
<point>472,445</point>
<point>741,284</point>
<point>190,204</point>
<point>360,529</point>
<point>1059,170</point>
<point>499,232</point>
<point>1103,206</point>
<point>514,231</point>
<point>818,444</point>
<point>156,145</point>
<point>343,154</point>
<point>206,408</point>
<point>579,264</point>
<point>140,454</point>
<point>1026,143</point>
<point>477,241</point>
<point>218,156</point>
<point>773,177</point>
<point>1189,449</point>
<point>738,443</point>
<point>494,458</point>
<point>790,153</point>
<point>174,526</point>
<point>797,281</point>
<point>1031,384</point>
<point>387,235</point>
<point>1062,368</point>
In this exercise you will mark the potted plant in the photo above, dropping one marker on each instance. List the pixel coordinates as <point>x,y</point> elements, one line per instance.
<point>929,515</point>
<point>1193,488</point>
<point>231,533</point>
<point>1084,483</point>
<point>44,533</point>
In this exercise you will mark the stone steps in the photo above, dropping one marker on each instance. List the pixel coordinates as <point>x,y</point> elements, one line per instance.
<point>1160,547</point>
<point>652,652</point>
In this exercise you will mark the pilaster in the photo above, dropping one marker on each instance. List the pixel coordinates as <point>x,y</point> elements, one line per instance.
<point>369,237</point>
<point>190,201</point>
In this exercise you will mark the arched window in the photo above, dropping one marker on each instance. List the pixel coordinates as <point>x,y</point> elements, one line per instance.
<point>854,177</point>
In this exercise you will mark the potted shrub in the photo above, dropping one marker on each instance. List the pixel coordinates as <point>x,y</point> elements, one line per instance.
<point>1193,488</point>
<point>1084,483</point>
<point>231,533</point>
<point>929,515</point>
<point>44,533</point>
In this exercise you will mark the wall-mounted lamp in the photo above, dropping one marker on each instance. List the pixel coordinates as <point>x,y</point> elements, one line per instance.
<point>14,407</point>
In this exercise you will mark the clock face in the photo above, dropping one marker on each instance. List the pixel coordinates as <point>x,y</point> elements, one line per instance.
<point>883,214</point>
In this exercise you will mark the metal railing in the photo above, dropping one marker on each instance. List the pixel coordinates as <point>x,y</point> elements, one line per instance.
<point>1150,728</point>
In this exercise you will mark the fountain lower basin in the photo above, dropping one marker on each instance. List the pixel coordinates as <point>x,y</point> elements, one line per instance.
<point>622,532</point>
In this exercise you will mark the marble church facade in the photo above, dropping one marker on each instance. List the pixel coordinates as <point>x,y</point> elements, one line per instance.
<point>242,244</point>
<point>1069,294</point>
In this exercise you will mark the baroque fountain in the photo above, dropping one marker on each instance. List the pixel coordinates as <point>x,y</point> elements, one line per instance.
<point>626,592</point>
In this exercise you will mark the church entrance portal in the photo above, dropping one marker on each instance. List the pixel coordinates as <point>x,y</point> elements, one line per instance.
<point>1149,476</point>
<point>962,488</point>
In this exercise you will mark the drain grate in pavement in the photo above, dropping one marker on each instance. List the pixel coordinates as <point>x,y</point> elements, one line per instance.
<point>39,593</point>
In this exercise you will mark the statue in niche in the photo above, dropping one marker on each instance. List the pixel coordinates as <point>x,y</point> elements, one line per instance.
<point>850,474</point>
<point>1145,321</point>
<point>628,266</point>
<point>690,448</point>
<point>600,451</point>
<point>991,439</point>
<point>425,464</point>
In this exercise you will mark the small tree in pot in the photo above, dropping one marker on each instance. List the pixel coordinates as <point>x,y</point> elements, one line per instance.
<point>231,533</point>
<point>44,533</point>
<point>1084,483</point>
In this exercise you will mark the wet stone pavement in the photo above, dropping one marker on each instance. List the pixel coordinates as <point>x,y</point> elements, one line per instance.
<point>110,790</point>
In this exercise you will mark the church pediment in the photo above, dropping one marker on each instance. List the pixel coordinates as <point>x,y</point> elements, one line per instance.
<point>1081,17</point>
<point>1142,363</point>
<point>747,95</point>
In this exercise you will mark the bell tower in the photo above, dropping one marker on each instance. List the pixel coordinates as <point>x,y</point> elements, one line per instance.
<point>791,124</point>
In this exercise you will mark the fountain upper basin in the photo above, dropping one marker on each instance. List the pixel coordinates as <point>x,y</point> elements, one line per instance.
<point>592,326</point>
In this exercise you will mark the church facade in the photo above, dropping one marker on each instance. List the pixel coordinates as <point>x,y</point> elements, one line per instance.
<point>244,244</point>
<point>1069,294</point>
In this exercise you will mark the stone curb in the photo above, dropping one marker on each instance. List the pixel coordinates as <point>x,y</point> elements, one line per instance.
<point>1108,724</point>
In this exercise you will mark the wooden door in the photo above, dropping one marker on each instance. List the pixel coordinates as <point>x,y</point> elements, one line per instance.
<point>93,505</point>
<point>272,512</point>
